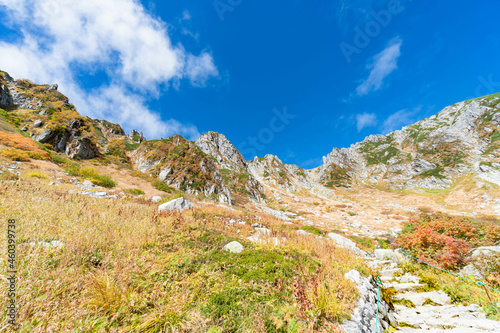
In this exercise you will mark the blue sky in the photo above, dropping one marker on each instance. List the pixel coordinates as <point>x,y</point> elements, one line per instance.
<point>293,78</point>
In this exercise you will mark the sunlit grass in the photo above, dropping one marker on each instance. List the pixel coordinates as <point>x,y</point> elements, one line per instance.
<point>124,267</point>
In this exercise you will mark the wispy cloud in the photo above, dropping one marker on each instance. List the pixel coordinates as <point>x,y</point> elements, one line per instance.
<point>365,120</point>
<point>353,12</point>
<point>311,163</point>
<point>61,39</point>
<point>399,119</point>
<point>380,67</point>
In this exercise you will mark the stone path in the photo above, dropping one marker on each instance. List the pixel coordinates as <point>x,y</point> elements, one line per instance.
<point>429,311</point>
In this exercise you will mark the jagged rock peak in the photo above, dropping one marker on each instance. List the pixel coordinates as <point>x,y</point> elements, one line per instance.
<point>225,153</point>
<point>136,136</point>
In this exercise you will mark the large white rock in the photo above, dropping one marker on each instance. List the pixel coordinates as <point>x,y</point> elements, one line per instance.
<point>178,204</point>
<point>301,232</point>
<point>343,242</point>
<point>486,251</point>
<point>164,174</point>
<point>234,247</point>
<point>387,254</point>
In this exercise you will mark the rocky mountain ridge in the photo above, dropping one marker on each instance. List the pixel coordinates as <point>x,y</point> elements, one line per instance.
<point>462,139</point>
<point>430,154</point>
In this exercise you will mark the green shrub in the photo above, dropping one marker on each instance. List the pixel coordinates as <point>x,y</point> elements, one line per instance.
<point>37,175</point>
<point>160,186</point>
<point>134,191</point>
<point>313,230</point>
<point>8,176</point>
<point>169,198</point>
<point>104,181</point>
<point>90,174</point>
<point>61,160</point>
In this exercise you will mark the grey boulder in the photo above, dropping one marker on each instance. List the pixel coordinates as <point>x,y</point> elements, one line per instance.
<point>45,136</point>
<point>343,242</point>
<point>178,204</point>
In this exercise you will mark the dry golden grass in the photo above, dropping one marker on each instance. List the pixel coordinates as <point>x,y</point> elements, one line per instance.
<point>18,141</point>
<point>125,268</point>
<point>22,148</point>
<point>24,156</point>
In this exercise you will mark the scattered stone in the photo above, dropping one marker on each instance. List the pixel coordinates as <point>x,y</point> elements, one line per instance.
<point>301,232</point>
<point>156,199</point>
<point>87,185</point>
<point>387,254</point>
<point>263,231</point>
<point>51,244</point>
<point>178,204</point>
<point>37,123</point>
<point>234,247</point>
<point>99,195</point>
<point>343,242</point>
<point>486,251</point>
<point>471,270</point>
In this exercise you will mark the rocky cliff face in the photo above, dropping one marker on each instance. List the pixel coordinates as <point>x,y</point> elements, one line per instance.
<point>271,170</point>
<point>233,167</point>
<point>48,117</point>
<point>181,164</point>
<point>224,152</point>
<point>5,97</point>
<point>459,140</point>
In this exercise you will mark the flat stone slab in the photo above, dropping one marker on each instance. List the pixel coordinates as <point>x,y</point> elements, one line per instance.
<point>407,278</point>
<point>390,272</point>
<point>403,287</point>
<point>445,318</point>
<point>419,299</point>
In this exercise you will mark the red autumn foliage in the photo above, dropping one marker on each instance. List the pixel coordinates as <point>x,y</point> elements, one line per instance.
<point>445,241</point>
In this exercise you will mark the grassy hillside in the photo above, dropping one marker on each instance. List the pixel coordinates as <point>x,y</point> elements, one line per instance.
<point>124,267</point>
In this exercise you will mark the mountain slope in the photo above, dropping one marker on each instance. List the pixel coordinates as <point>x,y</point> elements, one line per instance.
<point>459,140</point>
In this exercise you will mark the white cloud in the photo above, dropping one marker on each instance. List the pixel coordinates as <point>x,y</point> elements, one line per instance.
<point>61,38</point>
<point>381,66</point>
<point>186,16</point>
<point>365,120</point>
<point>399,119</point>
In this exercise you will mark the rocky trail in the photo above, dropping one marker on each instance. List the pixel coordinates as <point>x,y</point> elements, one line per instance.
<point>428,311</point>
